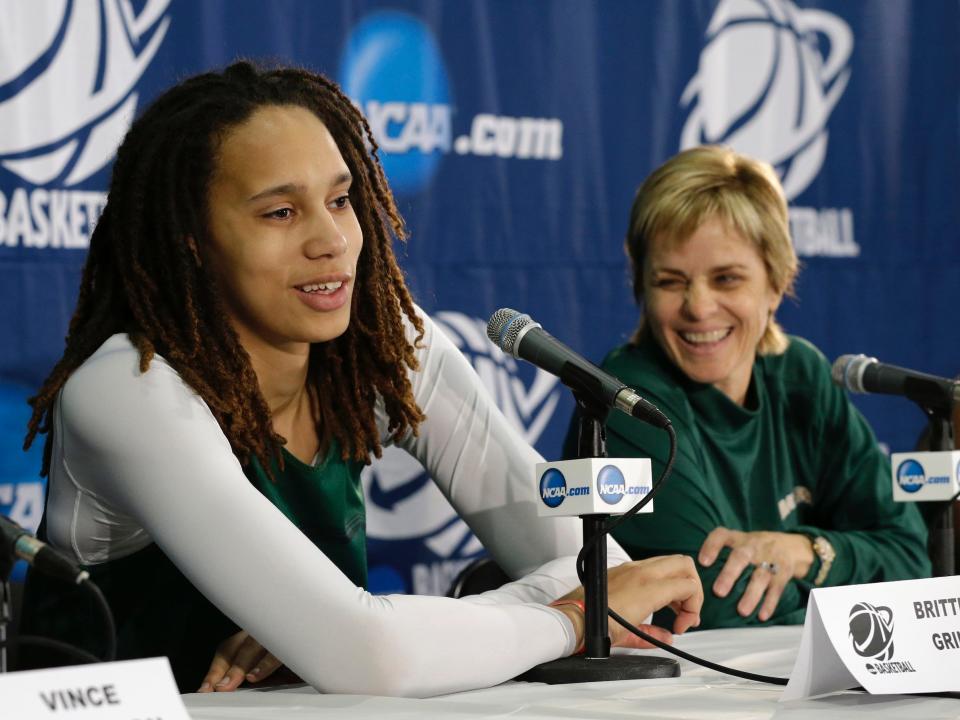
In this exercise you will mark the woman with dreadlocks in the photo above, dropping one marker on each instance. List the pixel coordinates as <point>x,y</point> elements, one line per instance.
<point>243,343</point>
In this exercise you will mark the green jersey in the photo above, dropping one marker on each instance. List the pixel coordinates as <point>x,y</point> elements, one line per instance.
<point>796,457</point>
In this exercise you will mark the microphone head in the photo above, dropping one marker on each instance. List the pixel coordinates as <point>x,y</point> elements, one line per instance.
<point>505,328</point>
<point>847,371</point>
<point>10,527</point>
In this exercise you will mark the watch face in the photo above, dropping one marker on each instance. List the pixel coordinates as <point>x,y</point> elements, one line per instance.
<point>824,549</point>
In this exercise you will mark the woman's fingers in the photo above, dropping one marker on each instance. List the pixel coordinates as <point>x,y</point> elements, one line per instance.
<point>265,668</point>
<point>645,586</point>
<point>629,640</point>
<point>685,619</point>
<point>685,591</point>
<point>719,538</point>
<point>679,591</point>
<point>776,558</point>
<point>743,550</point>
<point>767,583</point>
<point>772,597</point>
<point>218,668</point>
<point>222,660</point>
<point>245,659</point>
<point>759,582</point>
<point>739,559</point>
<point>677,582</point>
<point>239,657</point>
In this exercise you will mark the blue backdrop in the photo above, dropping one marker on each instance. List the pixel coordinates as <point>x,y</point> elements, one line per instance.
<point>515,135</point>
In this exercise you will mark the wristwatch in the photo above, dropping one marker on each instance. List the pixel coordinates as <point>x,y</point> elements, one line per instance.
<point>826,553</point>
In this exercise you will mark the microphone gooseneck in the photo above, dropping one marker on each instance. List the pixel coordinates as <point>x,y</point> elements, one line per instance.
<point>862,374</point>
<point>518,335</point>
<point>24,546</point>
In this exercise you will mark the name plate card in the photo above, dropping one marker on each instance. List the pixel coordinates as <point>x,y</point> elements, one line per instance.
<point>889,638</point>
<point>125,690</point>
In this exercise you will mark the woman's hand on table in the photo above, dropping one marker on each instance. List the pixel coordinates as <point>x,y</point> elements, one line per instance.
<point>637,589</point>
<point>776,559</point>
<point>238,658</point>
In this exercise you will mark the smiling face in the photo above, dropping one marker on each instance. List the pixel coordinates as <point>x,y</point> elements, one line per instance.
<point>284,239</point>
<point>708,300</point>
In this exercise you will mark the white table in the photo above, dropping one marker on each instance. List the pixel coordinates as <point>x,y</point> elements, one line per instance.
<point>698,693</point>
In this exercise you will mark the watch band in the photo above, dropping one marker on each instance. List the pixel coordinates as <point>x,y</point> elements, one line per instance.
<point>826,553</point>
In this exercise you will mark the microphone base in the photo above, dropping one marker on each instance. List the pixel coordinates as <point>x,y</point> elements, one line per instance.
<point>579,668</point>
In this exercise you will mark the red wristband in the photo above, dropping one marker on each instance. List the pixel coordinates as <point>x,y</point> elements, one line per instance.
<point>583,610</point>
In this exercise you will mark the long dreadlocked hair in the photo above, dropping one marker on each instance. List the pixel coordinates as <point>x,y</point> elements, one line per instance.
<point>142,276</point>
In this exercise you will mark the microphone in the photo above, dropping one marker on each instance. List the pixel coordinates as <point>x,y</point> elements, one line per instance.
<point>14,540</point>
<point>862,374</point>
<point>518,335</point>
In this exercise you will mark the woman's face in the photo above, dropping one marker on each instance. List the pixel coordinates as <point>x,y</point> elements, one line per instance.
<point>708,300</point>
<point>285,239</point>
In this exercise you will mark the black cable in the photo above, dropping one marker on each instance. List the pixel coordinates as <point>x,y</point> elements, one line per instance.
<point>108,622</point>
<point>67,649</point>
<point>610,525</point>
<point>693,658</point>
<point>76,653</point>
<point>667,469</point>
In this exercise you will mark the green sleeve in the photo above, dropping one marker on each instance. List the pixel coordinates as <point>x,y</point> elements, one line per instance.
<point>875,539</point>
<point>687,509</point>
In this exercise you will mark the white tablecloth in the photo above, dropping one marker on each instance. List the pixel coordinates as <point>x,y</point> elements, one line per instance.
<point>698,693</point>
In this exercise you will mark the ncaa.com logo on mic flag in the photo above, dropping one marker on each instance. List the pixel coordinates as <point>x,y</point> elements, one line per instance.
<point>407,515</point>
<point>770,75</point>
<point>68,76</point>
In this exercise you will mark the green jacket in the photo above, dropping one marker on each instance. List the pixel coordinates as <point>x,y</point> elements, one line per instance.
<point>798,457</point>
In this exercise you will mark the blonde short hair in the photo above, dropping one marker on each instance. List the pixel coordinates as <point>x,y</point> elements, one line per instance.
<point>709,182</point>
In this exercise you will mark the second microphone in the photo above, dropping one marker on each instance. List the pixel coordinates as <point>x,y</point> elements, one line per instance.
<point>518,335</point>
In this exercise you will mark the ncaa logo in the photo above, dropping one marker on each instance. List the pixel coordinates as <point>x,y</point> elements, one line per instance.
<point>67,77</point>
<point>766,87</point>
<point>871,631</point>
<point>392,68</point>
<point>553,488</point>
<point>910,476</point>
<point>611,485</point>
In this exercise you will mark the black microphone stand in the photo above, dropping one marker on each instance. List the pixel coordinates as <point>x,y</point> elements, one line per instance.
<point>6,600</point>
<point>596,663</point>
<point>941,541</point>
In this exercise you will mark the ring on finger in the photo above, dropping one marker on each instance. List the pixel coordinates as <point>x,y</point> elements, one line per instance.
<point>770,567</point>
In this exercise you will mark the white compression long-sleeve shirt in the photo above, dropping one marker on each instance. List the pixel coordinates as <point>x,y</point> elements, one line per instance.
<point>139,458</point>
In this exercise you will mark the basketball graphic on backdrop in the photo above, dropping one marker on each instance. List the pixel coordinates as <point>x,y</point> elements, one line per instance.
<point>84,59</point>
<point>406,508</point>
<point>871,631</point>
<point>770,75</point>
